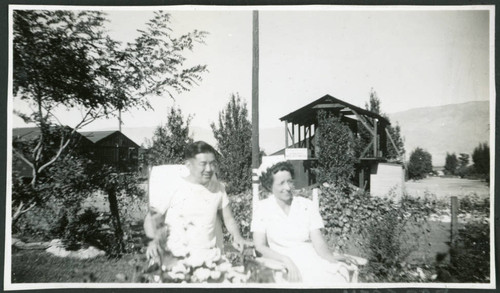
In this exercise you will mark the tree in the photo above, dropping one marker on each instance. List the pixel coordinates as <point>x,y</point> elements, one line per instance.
<point>337,150</point>
<point>481,159</point>
<point>451,163</point>
<point>64,59</point>
<point>463,162</point>
<point>170,140</point>
<point>233,133</point>
<point>374,105</point>
<point>420,164</point>
<point>395,133</point>
<point>463,159</point>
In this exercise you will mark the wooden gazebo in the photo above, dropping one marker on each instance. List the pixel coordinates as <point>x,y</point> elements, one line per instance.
<point>301,126</point>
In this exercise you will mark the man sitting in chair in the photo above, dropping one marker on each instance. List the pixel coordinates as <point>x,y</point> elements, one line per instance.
<point>188,210</point>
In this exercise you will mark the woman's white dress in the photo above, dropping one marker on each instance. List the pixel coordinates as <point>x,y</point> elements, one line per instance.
<point>289,235</point>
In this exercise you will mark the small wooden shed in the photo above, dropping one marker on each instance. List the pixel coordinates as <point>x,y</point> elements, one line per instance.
<point>114,148</point>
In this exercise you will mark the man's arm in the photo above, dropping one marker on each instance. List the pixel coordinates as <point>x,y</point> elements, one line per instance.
<point>153,222</point>
<point>233,228</point>
<point>154,229</point>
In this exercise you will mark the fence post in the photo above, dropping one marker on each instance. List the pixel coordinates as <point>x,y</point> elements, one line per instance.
<point>454,220</point>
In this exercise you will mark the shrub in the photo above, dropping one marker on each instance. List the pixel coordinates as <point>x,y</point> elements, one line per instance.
<point>337,150</point>
<point>379,229</point>
<point>420,164</point>
<point>39,223</point>
<point>470,258</point>
<point>474,203</point>
<point>81,229</point>
<point>241,206</point>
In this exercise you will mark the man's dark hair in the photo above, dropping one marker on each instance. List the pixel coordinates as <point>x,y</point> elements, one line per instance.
<point>198,147</point>
<point>267,178</point>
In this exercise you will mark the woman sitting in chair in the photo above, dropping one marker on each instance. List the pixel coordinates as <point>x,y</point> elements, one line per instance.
<point>287,228</point>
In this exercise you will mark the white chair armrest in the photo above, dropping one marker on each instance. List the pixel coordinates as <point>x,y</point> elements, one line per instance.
<point>359,261</point>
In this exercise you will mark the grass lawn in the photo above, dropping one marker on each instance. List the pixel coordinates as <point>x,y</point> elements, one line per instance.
<point>35,266</point>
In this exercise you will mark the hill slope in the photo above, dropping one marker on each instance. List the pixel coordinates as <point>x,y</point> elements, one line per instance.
<point>455,128</point>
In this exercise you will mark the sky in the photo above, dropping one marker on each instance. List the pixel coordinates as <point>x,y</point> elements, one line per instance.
<point>411,58</point>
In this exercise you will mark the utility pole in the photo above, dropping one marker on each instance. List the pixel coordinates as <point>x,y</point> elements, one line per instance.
<point>255,107</point>
<point>120,120</point>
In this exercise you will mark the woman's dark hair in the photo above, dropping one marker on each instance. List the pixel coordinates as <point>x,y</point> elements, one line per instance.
<point>198,147</point>
<point>267,177</point>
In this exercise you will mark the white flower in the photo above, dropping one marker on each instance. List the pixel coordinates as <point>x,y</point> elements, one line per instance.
<point>201,274</point>
<point>195,259</point>
<point>179,268</point>
<point>213,256</point>
<point>179,276</point>
<point>215,275</point>
<point>224,267</point>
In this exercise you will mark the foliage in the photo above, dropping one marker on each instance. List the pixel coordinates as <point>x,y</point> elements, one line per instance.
<point>59,213</point>
<point>170,140</point>
<point>463,169</point>
<point>380,229</point>
<point>481,159</point>
<point>395,133</point>
<point>80,229</point>
<point>241,206</point>
<point>63,184</point>
<point>114,185</point>
<point>374,105</point>
<point>470,258</point>
<point>463,160</point>
<point>233,133</point>
<point>474,203</point>
<point>451,163</point>
<point>420,164</point>
<point>64,59</point>
<point>337,150</point>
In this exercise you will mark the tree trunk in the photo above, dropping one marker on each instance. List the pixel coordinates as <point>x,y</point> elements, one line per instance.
<point>115,214</point>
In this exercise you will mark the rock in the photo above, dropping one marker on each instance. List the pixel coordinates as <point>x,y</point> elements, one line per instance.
<point>90,252</point>
<point>58,251</point>
<point>33,245</point>
<point>57,248</point>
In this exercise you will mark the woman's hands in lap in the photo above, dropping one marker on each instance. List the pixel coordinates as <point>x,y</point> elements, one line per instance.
<point>293,272</point>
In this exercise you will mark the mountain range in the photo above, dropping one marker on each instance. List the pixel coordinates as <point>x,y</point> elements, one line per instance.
<point>454,128</point>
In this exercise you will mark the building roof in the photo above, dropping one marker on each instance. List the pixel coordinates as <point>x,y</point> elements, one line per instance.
<point>29,133</point>
<point>307,114</point>
<point>96,136</point>
<point>25,132</point>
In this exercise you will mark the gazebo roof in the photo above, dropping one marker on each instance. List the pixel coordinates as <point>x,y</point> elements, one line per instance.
<point>307,114</point>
